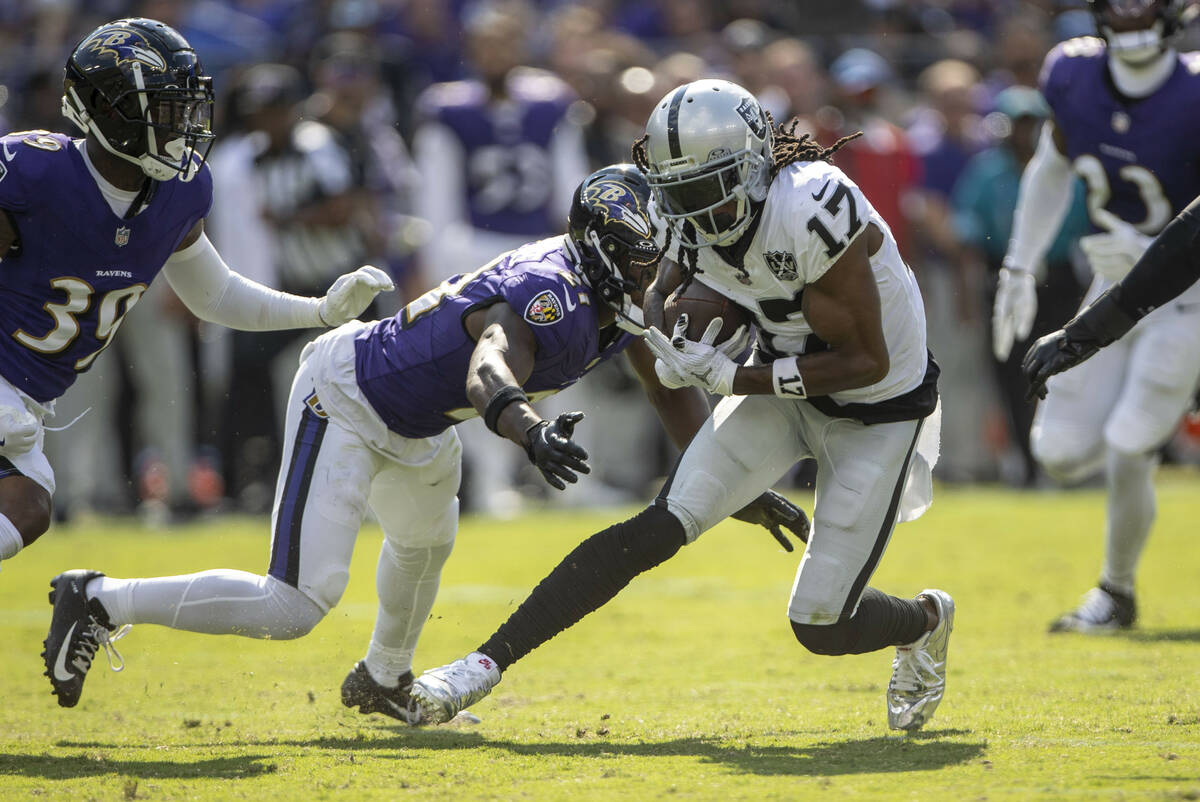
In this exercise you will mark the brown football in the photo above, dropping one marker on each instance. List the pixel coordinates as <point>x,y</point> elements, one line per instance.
<point>702,304</point>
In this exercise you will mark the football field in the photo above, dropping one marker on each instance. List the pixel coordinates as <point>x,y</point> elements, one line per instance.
<point>690,685</point>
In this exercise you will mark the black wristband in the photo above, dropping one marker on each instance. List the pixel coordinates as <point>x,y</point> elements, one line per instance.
<point>503,397</point>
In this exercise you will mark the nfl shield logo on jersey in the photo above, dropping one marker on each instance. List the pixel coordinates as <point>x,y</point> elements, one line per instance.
<point>122,236</point>
<point>782,264</point>
<point>544,309</point>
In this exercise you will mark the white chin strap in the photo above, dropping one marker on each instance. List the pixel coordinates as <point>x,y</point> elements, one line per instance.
<point>1136,48</point>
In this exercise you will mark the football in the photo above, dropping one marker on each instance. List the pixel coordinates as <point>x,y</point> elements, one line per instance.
<point>702,304</point>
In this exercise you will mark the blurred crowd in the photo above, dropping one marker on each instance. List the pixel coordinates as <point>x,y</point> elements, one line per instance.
<point>429,136</point>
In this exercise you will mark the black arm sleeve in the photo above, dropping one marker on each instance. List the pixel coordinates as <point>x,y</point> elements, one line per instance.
<point>1167,268</point>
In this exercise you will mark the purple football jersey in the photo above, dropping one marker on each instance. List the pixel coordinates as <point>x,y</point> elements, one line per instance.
<point>81,268</point>
<point>413,367</point>
<point>507,168</point>
<point>1140,157</point>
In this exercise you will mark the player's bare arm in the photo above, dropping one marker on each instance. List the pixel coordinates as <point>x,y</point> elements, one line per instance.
<point>668,278</point>
<point>681,411</point>
<point>8,234</point>
<point>843,309</point>
<point>503,357</point>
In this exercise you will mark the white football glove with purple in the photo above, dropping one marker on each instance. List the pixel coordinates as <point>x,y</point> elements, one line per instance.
<point>1112,254</point>
<point>350,295</point>
<point>697,363</point>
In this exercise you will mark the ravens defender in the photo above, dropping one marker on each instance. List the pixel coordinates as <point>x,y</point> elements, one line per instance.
<point>88,223</point>
<point>370,423</point>
<point>1126,118</point>
<point>840,373</point>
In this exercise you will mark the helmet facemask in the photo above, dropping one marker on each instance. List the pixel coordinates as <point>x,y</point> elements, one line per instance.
<point>1135,46</point>
<point>715,198</point>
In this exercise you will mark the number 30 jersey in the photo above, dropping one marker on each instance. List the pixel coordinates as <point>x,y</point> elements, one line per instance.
<point>1139,157</point>
<point>79,268</point>
<point>812,212</point>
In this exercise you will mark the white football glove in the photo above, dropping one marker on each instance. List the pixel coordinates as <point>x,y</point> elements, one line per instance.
<point>352,293</point>
<point>18,431</point>
<point>1112,254</point>
<point>1015,309</point>
<point>682,362</point>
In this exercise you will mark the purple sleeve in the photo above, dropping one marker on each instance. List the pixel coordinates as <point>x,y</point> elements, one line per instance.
<point>12,188</point>
<point>543,304</point>
<point>1051,78</point>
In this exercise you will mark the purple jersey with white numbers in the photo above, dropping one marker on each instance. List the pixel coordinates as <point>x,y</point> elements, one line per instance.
<point>1140,158</point>
<point>413,367</point>
<point>507,168</point>
<point>80,267</point>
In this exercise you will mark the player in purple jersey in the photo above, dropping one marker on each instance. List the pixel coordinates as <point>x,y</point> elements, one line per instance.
<point>370,425</point>
<point>1126,119</point>
<point>85,226</point>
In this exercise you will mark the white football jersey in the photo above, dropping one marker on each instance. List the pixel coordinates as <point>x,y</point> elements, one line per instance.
<point>812,212</point>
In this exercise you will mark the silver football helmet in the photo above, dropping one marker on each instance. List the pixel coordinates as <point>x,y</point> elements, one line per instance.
<point>709,151</point>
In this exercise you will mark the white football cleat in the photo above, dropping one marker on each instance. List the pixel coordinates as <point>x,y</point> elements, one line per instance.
<point>919,670</point>
<point>442,693</point>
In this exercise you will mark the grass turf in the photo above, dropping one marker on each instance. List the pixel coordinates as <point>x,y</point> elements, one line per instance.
<point>688,686</point>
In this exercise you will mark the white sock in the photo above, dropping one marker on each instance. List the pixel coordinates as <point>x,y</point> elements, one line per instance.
<point>10,539</point>
<point>1131,511</point>
<point>407,582</point>
<point>219,602</point>
<point>484,664</point>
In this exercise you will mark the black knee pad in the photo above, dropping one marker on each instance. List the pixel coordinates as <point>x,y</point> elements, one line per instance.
<point>828,639</point>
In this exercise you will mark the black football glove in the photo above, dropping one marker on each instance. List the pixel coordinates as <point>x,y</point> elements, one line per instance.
<point>550,448</point>
<point>1095,327</point>
<point>773,511</point>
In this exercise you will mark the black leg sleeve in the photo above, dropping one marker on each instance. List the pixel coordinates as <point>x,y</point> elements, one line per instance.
<point>881,620</point>
<point>1167,268</point>
<point>585,580</point>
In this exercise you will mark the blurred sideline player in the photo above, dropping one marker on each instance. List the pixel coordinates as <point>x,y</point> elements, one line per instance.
<point>1124,120</point>
<point>1170,266</point>
<point>499,157</point>
<point>370,423</point>
<point>841,373</point>
<point>88,223</point>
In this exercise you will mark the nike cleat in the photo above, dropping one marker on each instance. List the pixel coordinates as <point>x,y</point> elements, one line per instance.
<point>362,691</point>
<point>77,628</point>
<point>919,670</point>
<point>442,693</point>
<point>1103,609</point>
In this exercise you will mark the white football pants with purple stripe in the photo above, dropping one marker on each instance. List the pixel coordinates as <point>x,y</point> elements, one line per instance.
<point>328,478</point>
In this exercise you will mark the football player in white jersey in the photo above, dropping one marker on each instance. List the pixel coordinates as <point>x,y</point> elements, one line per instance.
<point>840,373</point>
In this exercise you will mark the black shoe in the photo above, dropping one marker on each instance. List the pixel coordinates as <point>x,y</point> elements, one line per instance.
<point>1103,609</point>
<point>77,628</point>
<point>362,691</point>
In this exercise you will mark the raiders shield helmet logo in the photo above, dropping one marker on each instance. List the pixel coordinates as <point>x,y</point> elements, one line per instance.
<point>782,265</point>
<point>750,112</point>
<point>544,309</point>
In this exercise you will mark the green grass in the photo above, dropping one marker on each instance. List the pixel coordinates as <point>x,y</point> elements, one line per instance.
<point>688,686</point>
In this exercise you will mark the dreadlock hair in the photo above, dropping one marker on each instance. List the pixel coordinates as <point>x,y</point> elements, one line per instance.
<point>787,148</point>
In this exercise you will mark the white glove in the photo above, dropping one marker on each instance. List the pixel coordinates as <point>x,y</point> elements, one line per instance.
<point>1113,254</point>
<point>18,431</point>
<point>351,294</point>
<point>682,362</point>
<point>1016,307</point>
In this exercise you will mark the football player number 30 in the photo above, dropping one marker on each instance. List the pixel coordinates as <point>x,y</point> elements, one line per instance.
<point>817,224</point>
<point>114,306</point>
<point>1099,193</point>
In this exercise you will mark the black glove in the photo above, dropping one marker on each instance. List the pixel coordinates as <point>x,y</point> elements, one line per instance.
<point>1095,327</point>
<point>1053,354</point>
<point>772,511</point>
<point>550,448</point>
